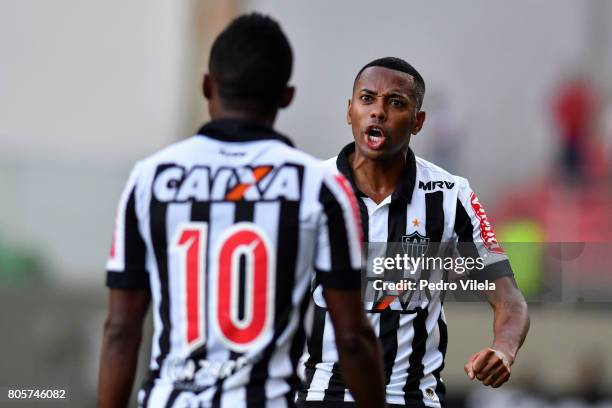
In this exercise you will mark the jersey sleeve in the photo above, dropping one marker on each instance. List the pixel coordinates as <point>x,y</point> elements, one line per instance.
<point>125,268</point>
<point>338,249</point>
<point>476,238</point>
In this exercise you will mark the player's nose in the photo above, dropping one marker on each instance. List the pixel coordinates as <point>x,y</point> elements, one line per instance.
<point>377,110</point>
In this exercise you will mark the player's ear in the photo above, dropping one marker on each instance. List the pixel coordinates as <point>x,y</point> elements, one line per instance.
<point>348,113</point>
<point>286,97</point>
<point>207,86</point>
<point>420,119</point>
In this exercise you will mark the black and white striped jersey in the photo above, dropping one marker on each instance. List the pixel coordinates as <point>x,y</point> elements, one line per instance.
<point>437,207</point>
<point>227,228</point>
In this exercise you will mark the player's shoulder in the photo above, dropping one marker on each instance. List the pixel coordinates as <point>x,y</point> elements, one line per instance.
<point>172,153</point>
<point>310,162</point>
<point>429,172</point>
<point>331,163</point>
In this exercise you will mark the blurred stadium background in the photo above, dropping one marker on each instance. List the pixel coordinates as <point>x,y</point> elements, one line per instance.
<point>519,100</point>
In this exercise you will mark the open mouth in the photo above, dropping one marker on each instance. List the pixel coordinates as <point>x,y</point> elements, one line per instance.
<point>374,137</point>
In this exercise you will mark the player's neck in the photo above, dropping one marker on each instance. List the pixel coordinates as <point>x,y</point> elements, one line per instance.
<point>251,117</point>
<point>377,178</point>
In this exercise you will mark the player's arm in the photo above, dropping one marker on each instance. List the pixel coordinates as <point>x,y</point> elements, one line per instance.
<point>120,344</point>
<point>510,326</point>
<point>491,365</point>
<point>338,266</point>
<point>129,299</point>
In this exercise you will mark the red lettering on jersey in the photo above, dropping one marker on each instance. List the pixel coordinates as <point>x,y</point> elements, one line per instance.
<point>191,238</point>
<point>486,229</point>
<point>385,301</point>
<point>250,244</point>
<point>236,193</point>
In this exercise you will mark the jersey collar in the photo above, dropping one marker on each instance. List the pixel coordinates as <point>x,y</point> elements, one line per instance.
<point>406,184</point>
<point>237,130</point>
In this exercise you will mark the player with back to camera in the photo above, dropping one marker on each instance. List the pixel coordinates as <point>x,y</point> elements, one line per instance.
<point>223,231</point>
<point>405,199</point>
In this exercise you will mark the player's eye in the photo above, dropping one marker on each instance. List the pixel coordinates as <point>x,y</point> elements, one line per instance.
<point>397,103</point>
<point>366,98</point>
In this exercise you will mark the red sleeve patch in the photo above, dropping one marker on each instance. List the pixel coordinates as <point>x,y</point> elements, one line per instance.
<point>486,229</point>
<point>348,191</point>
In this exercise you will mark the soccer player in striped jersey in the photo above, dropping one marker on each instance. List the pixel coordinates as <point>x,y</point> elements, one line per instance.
<point>405,199</point>
<point>224,232</point>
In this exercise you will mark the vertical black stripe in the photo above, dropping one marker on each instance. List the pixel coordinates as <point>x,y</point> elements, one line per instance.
<point>338,246</point>
<point>172,397</point>
<point>465,232</point>
<point>389,323</point>
<point>365,219</point>
<point>315,348</point>
<point>157,221</point>
<point>147,386</point>
<point>289,399</point>
<point>243,212</point>
<point>434,216</point>
<point>336,387</point>
<point>412,393</point>
<point>286,259</point>
<point>390,319</point>
<point>134,245</point>
<point>397,220</point>
<point>216,401</point>
<point>440,387</point>
<point>434,227</point>
<point>299,340</point>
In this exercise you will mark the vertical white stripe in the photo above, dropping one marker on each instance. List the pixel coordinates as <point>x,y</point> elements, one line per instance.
<point>329,355</point>
<point>280,363</point>
<point>117,262</point>
<point>351,218</point>
<point>322,258</point>
<point>433,358</point>
<point>276,389</point>
<point>222,217</point>
<point>236,398</point>
<point>159,396</point>
<point>176,214</point>
<point>157,323</point>
<point>378,223</point>
<point>277,403</point>
<point>155,292</point>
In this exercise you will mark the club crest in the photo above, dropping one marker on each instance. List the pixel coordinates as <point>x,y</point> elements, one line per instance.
<point>415,244</point>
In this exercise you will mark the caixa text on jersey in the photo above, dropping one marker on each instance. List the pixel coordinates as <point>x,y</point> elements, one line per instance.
<point>251,183</point>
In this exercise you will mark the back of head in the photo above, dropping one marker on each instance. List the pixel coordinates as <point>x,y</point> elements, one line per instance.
<point>400,65</point>
<point>251,62</point>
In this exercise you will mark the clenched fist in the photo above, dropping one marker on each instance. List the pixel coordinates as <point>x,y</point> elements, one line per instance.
<point>490,366</point>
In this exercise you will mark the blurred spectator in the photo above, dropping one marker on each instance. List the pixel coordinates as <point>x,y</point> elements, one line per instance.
<point>573,109</point>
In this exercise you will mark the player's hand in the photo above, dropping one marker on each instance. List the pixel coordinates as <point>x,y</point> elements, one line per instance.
<point>490,366</point>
